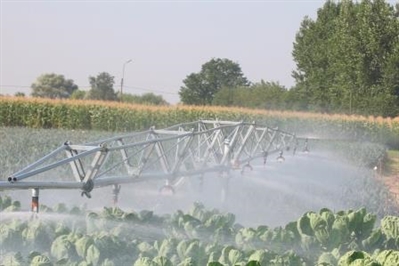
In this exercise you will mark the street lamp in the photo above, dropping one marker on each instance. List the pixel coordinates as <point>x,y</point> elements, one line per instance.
<point>123,76</point>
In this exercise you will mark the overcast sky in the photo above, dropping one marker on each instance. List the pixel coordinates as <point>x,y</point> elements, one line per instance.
<point>166,40</point>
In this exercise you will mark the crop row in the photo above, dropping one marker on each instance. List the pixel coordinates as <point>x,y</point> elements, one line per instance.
<point>77,236</point>
<point>112,116</point>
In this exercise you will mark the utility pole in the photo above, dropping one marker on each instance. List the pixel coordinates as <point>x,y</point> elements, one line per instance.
<point>123,77</point>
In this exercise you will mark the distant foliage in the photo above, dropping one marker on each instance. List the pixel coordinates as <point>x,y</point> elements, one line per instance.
<point>262,95</point>
<point>201,88</point>
<point>19,94</point>
<point>78,95</point>
<point>102,87</point>
<point>53,86</point>
<point>348,59</point>
<point>146,99</point>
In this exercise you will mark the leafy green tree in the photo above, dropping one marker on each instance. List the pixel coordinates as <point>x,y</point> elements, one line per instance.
<point>200,88</point>
<point>391,80</point>
<point>53,86</point>
<point>268,95</point>
<point>311,53</point>
<point>147,98</point>
<point>368,45</point>
<point>78,95</point>
<point>262,95</point>
<point>227,96</point>
<point>19,94</point>
<point>346,58</point>
<point>102,87</point>
<point>297,98</point>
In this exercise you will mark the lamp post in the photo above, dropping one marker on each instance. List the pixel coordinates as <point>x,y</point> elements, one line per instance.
<point>123,76</point>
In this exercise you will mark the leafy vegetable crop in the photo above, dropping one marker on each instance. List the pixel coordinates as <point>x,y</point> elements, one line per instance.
<point>62,236</point>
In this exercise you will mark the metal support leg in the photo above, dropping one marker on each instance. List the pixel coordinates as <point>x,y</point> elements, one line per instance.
<point>35,200</point>
<point>265,154</point>
<point>115,193</point>
<point>225,177</point>
<point>201,183</point>
<point>306,148</point>
<point>295,147</point>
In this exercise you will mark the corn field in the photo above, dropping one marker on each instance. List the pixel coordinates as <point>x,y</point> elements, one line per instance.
<point>113,116</point>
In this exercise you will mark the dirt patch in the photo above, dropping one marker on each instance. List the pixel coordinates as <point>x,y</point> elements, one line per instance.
<point>392,183</point>
<point>390,174</point>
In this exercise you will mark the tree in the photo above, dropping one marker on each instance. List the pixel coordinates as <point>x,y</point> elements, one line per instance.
<point>147,98</point>
<point>391,82</point>
<point>227,96</point>
<point>19,94</point>
<point>200,88</point>
<point>262,95</point>
<point>269,95</point>
<point>53,86</point>
<point>311,52</point>
<point>346,58</point>
<point>102,87</point>
<point>78,95</point>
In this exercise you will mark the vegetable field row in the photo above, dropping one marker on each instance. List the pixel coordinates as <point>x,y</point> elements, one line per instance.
<point>62,236</point>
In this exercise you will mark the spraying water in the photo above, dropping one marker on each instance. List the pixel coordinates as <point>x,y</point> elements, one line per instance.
<point>272,194</point>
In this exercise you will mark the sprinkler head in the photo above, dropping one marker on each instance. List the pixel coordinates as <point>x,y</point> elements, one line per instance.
<point>167,190</point>
<point>281,158</point>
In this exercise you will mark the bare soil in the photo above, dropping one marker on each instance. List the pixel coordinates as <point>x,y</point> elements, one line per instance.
<point>390,174</point>
<point>392,183</point>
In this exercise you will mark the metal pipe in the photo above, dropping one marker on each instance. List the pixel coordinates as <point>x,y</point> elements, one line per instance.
<point>41,160</point>
<point>115,193</point>
<point>51,166</point>
<point>41,185</point>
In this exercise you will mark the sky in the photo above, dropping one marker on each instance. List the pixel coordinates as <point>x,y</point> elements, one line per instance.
<point>166,41</point>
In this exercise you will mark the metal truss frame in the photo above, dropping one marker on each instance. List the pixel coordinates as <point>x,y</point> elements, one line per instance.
<point>183,150</point>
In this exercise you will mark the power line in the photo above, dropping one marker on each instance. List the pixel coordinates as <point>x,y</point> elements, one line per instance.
<point>14,86</point>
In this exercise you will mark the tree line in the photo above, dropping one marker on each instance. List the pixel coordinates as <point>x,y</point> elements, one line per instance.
<point>348,58</point>
<point>56,86</point>
<point>347,61</point>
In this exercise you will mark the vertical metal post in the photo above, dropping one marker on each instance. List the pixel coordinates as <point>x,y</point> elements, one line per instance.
<point>123,77</point>
<point>306,148</point>
<point>225,177</point>
<point>226,151</point>
<point>35,200</point>
<point>115,193</point>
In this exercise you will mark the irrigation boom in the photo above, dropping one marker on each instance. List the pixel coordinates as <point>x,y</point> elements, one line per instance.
<point>183,150</point>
